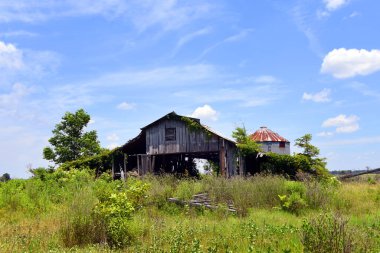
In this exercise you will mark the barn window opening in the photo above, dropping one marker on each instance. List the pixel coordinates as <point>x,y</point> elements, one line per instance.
<point>282,144</point>
<point>170,134</point>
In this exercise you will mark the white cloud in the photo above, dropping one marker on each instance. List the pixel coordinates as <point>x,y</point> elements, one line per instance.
<point>319,97</point>
<point>36,10</point>
<point>358,141</point>
<point>346,63</point>
<point>162,76</point>
<point>205,112</point>
<point>112,145</point>
<point>10,56</point>
<point>325,134</point>
<point>332,5</point>
<point>112,137</point>
<point>9,102</point>
<point>169,14</point>
<point>22,64</point>
<point>233,38</point>
<point>302,17</point>
<point>354,14</point>
<point>189,37</point>
<point>245,95</point>
<point>343,123</point>
<point>87,92</point>
<point>321,14</point>
<point>239,36</point>
<point>364,90</point>
<point>18,33</point>
<point>266,79</point>
<point>126,106</point>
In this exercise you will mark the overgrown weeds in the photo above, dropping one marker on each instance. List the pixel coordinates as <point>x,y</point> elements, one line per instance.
<point>73,212</point>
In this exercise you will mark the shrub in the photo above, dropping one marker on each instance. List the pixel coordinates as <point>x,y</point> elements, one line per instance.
<point>115,212</point>
<point>286,165</point>
<point>117,209</point>
<point>98,163</point>
<point>294,201</point>
<point>291,165</point>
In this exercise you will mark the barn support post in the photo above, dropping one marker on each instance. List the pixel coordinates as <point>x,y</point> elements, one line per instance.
<point>222,160</point>
<point>242,168</point>
<point>113,166</point>
<point>153,164</point>
<point>138,165</point>
<point>125,166</point>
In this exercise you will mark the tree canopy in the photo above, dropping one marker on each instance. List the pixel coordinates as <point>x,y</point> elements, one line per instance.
<point>5,177</point>
<point>70,141</point>
<point>304,143</point>
<point>246,145</point>
<point>318,164</point>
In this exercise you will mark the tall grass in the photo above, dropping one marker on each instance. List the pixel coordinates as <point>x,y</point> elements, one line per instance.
<point>79,226</point>
<point>56,214</point>
<point>256,192</point>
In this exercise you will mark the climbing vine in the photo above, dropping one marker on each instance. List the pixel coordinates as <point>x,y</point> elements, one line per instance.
<point>194,126</point>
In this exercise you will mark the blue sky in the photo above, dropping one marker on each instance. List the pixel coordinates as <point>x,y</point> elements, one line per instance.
<point>297,67</point>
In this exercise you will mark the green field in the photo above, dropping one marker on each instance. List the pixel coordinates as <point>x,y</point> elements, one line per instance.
<point>73,212</point>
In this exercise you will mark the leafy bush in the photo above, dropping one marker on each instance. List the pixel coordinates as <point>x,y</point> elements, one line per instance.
<point>286,165</point>
<point>294,201</point>
<point>115,213</point>
<point>117,209</point>
<point>98,163</point>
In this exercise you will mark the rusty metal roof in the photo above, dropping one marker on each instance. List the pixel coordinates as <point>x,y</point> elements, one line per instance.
<point>264,135</point>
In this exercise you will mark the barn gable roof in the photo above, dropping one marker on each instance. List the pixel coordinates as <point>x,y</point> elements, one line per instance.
<point>137,144</point>
<point>175,116</point>
<point>266,135</point>
<point>171,115</point>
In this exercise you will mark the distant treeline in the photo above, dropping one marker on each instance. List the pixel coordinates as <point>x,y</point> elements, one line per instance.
<point>345,172</point>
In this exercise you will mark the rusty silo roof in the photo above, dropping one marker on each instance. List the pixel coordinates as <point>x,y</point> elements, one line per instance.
<point>264,134</point>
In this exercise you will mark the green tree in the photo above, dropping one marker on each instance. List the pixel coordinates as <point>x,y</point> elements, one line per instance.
<point>70,141</point>
<point>318,164</point>
<point>308,149</point>
<point>246,145</point>
<point>5,177</point>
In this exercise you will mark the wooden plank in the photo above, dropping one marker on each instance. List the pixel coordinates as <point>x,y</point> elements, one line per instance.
<point>138,165</point>
<point>222,161</point>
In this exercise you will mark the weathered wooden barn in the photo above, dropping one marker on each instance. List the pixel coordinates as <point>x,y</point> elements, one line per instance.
<point>170,145</point>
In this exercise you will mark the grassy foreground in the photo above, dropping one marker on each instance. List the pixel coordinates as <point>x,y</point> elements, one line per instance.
<point>72,212</point>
